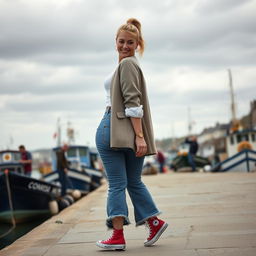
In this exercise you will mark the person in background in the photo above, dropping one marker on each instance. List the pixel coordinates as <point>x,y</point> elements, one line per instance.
<point>62,168</point>
<point>26,160</point>
<point>193,147</point>
<point>123,138</point>
<point>161,160</point>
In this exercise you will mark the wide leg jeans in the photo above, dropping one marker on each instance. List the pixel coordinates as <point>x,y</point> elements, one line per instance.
<point>123,170</point>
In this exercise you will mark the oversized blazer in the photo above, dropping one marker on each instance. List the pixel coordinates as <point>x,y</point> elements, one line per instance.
<point>128,89</point>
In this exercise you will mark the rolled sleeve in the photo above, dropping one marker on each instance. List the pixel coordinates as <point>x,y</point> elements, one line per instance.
<point>134,112</point>
<point>130,84</point>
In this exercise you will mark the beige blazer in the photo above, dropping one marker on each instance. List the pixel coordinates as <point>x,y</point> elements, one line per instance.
<point>128,89</point>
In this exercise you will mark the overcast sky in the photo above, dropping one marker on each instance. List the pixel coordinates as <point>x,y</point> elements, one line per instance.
<point>55,55</point>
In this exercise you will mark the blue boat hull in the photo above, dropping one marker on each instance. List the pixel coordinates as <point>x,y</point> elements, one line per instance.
<point>96,177</point>
<point>29,197</point>
<point>78,180</point>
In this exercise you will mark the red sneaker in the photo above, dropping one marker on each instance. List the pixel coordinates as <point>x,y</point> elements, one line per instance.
<point>115,242</point>
<point>156,228</point>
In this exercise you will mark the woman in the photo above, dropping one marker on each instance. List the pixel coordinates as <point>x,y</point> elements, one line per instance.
<point>123,138</point>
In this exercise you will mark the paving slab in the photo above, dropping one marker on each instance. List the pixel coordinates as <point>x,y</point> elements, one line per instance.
<point>208,214</point>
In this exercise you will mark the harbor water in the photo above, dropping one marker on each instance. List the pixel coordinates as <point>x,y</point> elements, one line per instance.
<point>21,229</point>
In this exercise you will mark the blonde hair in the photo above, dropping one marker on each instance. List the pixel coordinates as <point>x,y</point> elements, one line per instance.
<point>133,26</point>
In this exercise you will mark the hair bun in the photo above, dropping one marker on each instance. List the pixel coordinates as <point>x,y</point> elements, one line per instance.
<point>134,22</point>
<point>133,26</point>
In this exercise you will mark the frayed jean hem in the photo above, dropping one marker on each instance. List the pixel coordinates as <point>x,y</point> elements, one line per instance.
<point>141,222</point>
<point>109,222</point>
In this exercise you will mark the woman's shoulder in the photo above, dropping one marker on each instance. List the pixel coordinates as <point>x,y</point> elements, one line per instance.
<point>129,62</point>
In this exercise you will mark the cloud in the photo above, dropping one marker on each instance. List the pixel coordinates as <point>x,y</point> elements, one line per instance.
<point>219,6</point>
<point>54,56</point>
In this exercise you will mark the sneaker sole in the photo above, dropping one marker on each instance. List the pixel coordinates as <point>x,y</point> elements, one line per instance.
<point>157,236</point>
<point>111,246</point>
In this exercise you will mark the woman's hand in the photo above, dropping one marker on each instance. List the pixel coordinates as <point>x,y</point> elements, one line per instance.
<point>141,146</point>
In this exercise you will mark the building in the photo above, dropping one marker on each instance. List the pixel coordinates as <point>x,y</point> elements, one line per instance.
<point>219,141</point>
<point>212,141</point>
<point>248,121</point>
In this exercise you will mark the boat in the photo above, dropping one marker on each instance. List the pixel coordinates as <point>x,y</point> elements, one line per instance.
<point>236,140</point>
<point>243,161</point>
<point>240,146</point>
<point>23,198</point>
<point>95,170</point>
<point>83,174</point>
<point>180,162</point>
<point>240,143</point>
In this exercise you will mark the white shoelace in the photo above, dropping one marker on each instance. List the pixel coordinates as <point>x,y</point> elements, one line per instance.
<point>107,240</point>
<point>149,227</point>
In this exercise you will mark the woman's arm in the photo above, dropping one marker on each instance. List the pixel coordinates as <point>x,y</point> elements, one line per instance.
<point>130,86</point>
<point>141,146</point>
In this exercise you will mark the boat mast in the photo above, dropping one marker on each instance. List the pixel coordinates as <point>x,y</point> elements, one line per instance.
<point>233,110</point>
<point>58,133</point>
<point>70,133</point>
<point>173,138</point>
<point>190,123</point>
<point>234,122</point>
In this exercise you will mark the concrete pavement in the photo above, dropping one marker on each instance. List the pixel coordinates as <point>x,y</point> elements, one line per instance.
<point>208,214</point>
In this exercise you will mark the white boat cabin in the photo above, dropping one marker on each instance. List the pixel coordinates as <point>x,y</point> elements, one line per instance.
<point>234,139</point>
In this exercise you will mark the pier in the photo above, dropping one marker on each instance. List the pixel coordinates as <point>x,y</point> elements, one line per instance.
<point>208,214</point>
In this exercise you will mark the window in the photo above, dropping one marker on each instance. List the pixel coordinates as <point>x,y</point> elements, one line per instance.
<point>16,156</point>
<point>231,140</point>
<point>238,138</point>
<point>253,137</point>
<point>83,152</point>
<point>72,152</point>
<point>246,137</point>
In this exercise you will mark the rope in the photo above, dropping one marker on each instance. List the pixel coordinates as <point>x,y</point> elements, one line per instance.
<point>10,204</point>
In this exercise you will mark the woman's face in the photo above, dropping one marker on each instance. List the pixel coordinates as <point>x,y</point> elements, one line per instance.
<point>126,45</point>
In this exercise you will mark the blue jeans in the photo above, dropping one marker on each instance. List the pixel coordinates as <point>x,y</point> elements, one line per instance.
<point>123,170</point>
<point>192,161</point>
<point>161,167</point>
<point>64,181</point>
